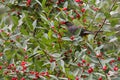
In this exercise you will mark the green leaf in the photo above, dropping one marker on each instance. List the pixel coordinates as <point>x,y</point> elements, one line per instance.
<point>113,39</point>
<point>115,7</point>
<point>90,46</point>
<point>66,38</point>
<point>54,77</point>
<point>50,34</point>
<point>34,24</point>
<point>56,55</point>
<point>44,18</point>
<point>15,20</point>
<point>65,4</point>
<point>39,2</point>
<point>43,3</point>
<point>106,61</point>
<point>118,78</point>
<point>113,21</point>
<point>107,14</point>
<point>62,65</point>
<point>53,65</point>
<point>90,77</point>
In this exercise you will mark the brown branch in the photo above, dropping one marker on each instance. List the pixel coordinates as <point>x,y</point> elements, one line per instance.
<point>104,20</point>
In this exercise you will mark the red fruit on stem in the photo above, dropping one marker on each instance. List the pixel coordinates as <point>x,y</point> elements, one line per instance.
<point>90,70</point>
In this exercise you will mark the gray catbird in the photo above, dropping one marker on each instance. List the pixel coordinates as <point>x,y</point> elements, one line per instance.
<point>73,29</point>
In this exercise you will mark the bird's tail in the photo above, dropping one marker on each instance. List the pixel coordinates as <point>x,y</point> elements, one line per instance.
<point>86,32</point>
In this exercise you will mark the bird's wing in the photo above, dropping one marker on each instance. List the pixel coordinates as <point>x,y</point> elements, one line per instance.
<point>74,30</point>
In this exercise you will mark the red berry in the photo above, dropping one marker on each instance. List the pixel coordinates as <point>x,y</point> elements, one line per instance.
<point>88,64</point>
<point>90,70</point>
<point>1,30</point>
<point>1,54</point>
<point>52,26</point>
<point>83,10</point>
<point>83,61</point>
<point>22,78</point>
<point>79,64</point>
<point>59,35</point>
<point>112,61</point>
<point>77,78</point>
<point>98,55</point>
<point>78,15</point>
<point>26,57</point>
<point>64,8</point>
<point>24,49</point>
<point>88,52</point>
<point>100,78</point>
<point>95,8</point>
<point>84,20</point>
<point>72,38</point>
<point>115,68</point>
<point>28,2</point>
<point>70,51</point>
<point>104,68</point>
<point>78,0</point>
<point>72,17</point>
<point>0,67</point>
<point>67,13</point>
<point>52,59</point>
<point>14,78</point>
<point>118,58</point>
<point>62,0</point>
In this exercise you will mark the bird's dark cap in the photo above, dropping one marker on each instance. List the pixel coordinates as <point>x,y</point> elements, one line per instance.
<point>67,23</point>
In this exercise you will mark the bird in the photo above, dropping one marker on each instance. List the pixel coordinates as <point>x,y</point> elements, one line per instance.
<point>73,29</point>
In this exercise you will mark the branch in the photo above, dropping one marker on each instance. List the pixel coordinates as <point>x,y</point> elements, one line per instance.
<point>104,20</point>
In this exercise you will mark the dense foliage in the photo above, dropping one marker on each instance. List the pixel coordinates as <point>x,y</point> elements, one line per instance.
<point>36,45</point>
